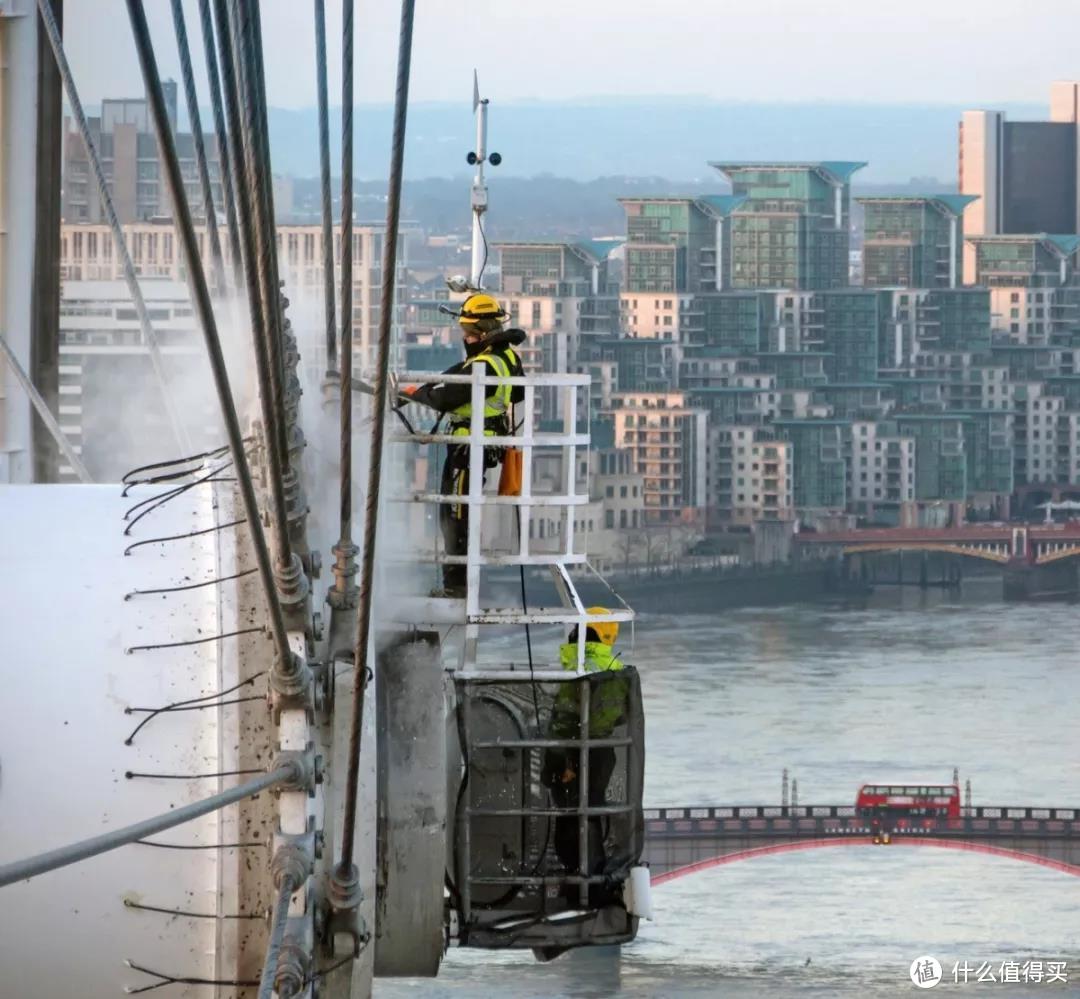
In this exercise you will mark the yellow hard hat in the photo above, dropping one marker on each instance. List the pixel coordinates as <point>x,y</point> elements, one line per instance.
<point>606,631</point>
<point>481,306</point>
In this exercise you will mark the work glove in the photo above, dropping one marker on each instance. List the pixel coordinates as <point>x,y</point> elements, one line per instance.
<point>399,394</point>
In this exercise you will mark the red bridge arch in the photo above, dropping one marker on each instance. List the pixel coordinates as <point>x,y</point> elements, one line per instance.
<point>813,844</point>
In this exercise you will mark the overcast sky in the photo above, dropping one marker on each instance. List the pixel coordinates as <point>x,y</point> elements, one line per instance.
<point>978,52</point>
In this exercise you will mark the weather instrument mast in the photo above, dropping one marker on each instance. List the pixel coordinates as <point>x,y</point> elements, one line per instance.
<point>477,157</point>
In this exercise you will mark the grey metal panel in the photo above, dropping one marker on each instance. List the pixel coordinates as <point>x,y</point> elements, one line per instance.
<point>411,863</point>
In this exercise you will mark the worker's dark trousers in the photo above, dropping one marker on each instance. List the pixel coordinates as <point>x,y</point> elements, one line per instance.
<point>454,517</point>
<point>601,767</point>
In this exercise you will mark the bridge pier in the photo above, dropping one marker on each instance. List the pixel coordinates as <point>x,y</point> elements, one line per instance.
<point>1024,581</point>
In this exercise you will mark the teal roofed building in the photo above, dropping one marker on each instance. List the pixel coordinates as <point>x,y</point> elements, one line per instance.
<point>913,241</point>
<point>570,269</point>
<point>716,263</point>
<point>792,228</point>
<point>1034,260</point>
<point>671,243</point>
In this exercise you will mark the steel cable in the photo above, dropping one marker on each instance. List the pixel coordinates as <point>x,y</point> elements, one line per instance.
<point>200,146</point>
<point>224,152</point>
<point>277,936</point>
<point>345,362</point>
<point>174,493</point>
<point>324,176</point>
<point>371,508</point>
<point>204,310</point>
<point>181,537</point>
<point>153,502</point>
<point>189,586</point>
<point>72,853</point>
<point>126,478</point>
<point>45,413</point>
<point>231,87</point>
<point>247,58</point>
<point>55,42</point>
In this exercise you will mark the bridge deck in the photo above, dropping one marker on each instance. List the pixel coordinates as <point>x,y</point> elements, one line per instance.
<point>688,839</point>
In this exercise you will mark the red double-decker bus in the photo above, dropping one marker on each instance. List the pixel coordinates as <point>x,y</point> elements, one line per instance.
<point>904,806</point>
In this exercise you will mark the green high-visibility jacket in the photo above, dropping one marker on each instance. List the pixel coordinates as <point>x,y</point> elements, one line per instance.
<point>607,700</point>
<point>503,364</point>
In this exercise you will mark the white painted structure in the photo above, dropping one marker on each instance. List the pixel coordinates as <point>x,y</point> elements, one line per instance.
<point>482,503</point>
<point>18,202</point>
<point>68,680</point>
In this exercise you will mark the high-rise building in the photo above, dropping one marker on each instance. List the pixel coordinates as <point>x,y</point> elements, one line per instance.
<point>940,459</point>
<point>670,245</point>
<point>988,444</point>
<point>668,440</point>
<point>750,476</point>
<point>110,402</point>
<point>913,241</point>
<point>128,150</point>
<point>923,320</point>
<point>576,270</point>
<point>718,207</point>
<point>1024,173</point>
<point>791,230</point>
<point>1032,282</point>
<point>818,463</point>
<point>852,326</point>
<point>641,365</point>
<point>87,253</point>
<point>881,466</point>
<point>675,247</point>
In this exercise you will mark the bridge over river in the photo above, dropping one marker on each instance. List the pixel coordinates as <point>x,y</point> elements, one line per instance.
<point>1037,560</point>
<point>681,841</point>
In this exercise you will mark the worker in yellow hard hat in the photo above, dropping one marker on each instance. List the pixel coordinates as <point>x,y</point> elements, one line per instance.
<point>607,708</point>
<point>481,322</point>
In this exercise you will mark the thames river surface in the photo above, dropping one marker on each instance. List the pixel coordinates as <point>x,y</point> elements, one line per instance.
<point>906,685</point>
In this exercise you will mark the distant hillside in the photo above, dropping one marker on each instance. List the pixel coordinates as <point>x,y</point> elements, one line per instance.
<point>585,140</point>
<point>542,207</point>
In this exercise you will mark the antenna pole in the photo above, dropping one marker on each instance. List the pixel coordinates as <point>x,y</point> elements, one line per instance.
<point>479,188</point>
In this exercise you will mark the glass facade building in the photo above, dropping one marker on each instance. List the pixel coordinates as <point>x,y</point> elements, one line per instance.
<point>1039,163</point>
<point>819,466</point>
<point>670,245</point>
<point>791,230</point>
<point>940,458</point>
<point>913,241</point>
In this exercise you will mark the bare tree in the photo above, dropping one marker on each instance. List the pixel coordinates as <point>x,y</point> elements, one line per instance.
<point>655,543</point>
<point>626,544</point>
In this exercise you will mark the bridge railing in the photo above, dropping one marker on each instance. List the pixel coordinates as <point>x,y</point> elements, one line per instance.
<point>843,811</point>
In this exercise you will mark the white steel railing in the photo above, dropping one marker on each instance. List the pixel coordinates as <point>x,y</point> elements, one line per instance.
<point>567,389</point>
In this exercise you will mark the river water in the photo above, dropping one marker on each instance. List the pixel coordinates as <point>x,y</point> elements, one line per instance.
<point>903,686</point>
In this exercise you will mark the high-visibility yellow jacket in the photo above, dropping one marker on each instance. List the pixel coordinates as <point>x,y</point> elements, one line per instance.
<point>503,363</point>
<point>607,701</point>
<point>455,400</point>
